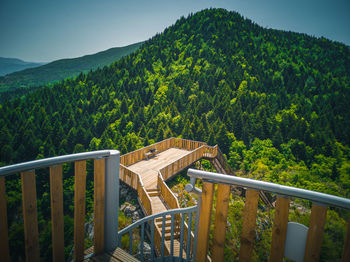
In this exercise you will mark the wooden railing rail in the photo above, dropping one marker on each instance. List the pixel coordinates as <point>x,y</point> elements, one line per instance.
<point>166,193</point>
<point>29,202</point>
<point>187,144</point>
<point>180,164</point>
<point>210,151</point>
<point>317,218</point>
<point>144,197</point>
<point>128,176</point>
<point>134,180</point>
<point>139,154</point>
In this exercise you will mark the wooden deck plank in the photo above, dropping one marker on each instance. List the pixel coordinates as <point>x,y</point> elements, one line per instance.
<point>118,255</point>
<point>148,169</point>
<point>157,205</point>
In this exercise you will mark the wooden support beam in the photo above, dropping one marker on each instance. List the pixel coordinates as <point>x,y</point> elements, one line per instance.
<point>99,205</point>
<point>4,240</point>
<point>279,231</point>
<point>30,216</point>
<point>79,209</point>
<point>57,221</point>
<point>204,221</point>
<point>315,233</point>
<point>248,225</point>
<point>222,202</point>
<point>346,249</point>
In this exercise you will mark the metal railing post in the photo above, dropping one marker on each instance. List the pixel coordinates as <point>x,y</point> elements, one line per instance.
<point>111,201</point>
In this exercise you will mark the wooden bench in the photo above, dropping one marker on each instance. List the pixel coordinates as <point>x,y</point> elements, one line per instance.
<point>150,153</point>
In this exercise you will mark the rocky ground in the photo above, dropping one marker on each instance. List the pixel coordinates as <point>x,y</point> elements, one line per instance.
<point>128,202</point>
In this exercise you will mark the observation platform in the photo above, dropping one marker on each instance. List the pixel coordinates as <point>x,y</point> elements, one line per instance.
<point>148,168</point>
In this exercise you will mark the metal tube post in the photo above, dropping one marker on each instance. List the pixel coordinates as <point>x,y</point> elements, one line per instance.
<point>111,201</point>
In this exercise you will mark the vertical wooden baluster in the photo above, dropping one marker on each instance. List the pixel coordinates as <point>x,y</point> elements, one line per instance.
<point>315,233</point>
<point>4,241</point>
<point>279,231</point>
<point>30,216</point>
<point>204,221</point>
<point>346,249</point>
<point>99,205</point>
<point>79,209</point>
<point>57,227</point>
<point>248,226</point>
<point>223,199</point>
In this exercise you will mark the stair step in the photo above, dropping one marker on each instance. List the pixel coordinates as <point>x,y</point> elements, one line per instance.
<point>152,189</point>
<point>167,224</point>
<point>167,236</point>
<point>153,194</point>
<point>160,219</point>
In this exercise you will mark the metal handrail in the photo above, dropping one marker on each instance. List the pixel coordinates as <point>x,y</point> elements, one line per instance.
<point>154,216</point>
<point>317,197</point>
<point>150,221</point>
<point>52,161</point>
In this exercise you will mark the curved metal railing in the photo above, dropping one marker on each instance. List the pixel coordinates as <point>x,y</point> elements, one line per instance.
<point>148,223</point>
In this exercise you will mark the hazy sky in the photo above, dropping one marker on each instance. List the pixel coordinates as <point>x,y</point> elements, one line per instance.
<point>44,30</point>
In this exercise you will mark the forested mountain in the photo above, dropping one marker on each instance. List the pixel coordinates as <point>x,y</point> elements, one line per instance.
<point>276,103</point>
<point>61,69</point>
<point>10,65</point>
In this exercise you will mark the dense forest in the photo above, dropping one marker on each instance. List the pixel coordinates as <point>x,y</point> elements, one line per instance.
<point>276,103</point>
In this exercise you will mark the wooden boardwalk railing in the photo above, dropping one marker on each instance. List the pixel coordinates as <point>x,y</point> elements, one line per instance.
<point>167,194</point>
<point>182,163</point>
<point>129,177</point>
<point>29,204</point>
<point>137,155</point>
<point>248,235</point>
<point>144,197</point>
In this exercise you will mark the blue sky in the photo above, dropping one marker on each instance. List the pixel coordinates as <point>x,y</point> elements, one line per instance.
<point>43,31</point>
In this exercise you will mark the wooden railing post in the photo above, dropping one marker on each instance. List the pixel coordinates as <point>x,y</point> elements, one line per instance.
<point>315,233</point>
<point>99,205</point>
<point>248,225</point>
<point>111,201</point>
<point>279,231</point>
<point>206,203</point>
<point>346,249</point>
<point>57,221</point>
<point>79,209</point>
<point>222,202</point>
<point>30,216</point>
<point>4,241</point>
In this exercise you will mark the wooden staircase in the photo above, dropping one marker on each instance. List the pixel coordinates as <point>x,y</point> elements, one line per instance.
<point>167,237</point>
<point>153,192</point>
<point>221,166</point>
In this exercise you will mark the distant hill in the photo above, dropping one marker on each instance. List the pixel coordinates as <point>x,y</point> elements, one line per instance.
<point>63,68</point>
<point>10,65</point>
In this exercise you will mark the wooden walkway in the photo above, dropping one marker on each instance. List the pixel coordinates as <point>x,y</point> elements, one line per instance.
<point>148,168</point>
